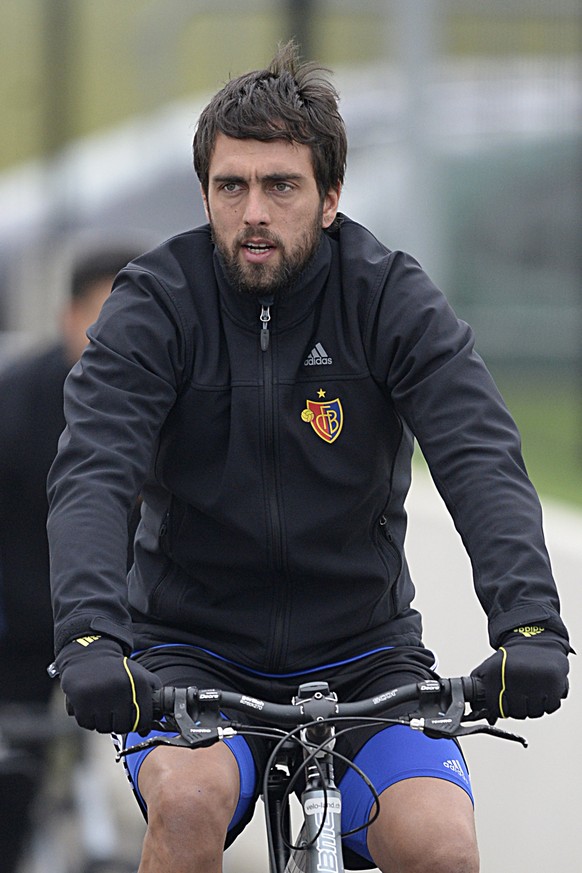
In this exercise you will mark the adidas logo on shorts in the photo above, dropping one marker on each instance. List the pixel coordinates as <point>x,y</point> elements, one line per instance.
<point>317,356</point>
<point>455,766</point>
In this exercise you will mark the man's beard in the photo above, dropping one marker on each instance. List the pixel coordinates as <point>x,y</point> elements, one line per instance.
<point>264,280</point>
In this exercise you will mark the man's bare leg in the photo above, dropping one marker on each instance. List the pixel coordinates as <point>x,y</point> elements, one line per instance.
<point>426,825</point>
<point>191,795</point>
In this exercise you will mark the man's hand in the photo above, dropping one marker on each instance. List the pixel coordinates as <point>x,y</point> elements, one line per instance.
<point>105,690</point>
<point>527,676</point>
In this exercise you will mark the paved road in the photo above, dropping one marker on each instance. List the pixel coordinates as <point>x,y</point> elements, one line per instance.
<point>528,800</point>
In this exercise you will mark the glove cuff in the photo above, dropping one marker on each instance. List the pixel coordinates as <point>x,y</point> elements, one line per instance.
<point>534,633</point>
<point>81,645</point>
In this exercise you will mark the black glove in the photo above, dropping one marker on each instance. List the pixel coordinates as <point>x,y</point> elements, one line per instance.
<point>527,676</point>
<point>105,690</point>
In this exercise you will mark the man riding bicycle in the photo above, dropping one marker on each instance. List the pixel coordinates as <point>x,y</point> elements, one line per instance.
<point>259,381</point>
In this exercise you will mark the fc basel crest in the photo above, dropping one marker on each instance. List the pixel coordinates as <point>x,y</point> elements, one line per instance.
<point>326,417</point>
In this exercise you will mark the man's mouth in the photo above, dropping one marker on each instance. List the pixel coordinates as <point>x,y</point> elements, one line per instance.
<point>258,247</point>
<point>258,251</point>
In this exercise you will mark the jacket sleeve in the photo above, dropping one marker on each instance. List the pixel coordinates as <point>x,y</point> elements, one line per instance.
<point>444,392</point>
<point>116,401</point>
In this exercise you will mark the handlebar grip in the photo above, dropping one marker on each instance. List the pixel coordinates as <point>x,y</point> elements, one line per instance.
<point>474,691</point>
<point>163,701</point>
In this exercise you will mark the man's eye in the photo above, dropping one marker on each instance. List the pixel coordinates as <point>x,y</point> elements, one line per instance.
<point>282,187</point>
<point>231,187</point>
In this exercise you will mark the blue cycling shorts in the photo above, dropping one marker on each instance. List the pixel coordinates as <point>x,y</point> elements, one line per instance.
<point>390,756</point>
<point>394,754</point>
<point>237,745</point>
<point>386,755</point>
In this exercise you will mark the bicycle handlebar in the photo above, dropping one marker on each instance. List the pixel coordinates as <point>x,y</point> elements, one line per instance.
<point>196,715</point>
<point>320,706</point>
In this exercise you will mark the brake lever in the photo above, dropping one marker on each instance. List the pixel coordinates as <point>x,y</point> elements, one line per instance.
<point>204,728</point>
<point>465,730</point>
<point>450,722</point>
<point>151,742</point>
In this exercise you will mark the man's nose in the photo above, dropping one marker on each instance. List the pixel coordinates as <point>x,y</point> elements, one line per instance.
<point>256,208</point>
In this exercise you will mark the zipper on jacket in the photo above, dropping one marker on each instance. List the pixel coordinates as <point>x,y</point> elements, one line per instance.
<point>269,433</point>
<point>163,531</point>
<point>265,317</point>
<point>273,502</point>
<point>387,536</point>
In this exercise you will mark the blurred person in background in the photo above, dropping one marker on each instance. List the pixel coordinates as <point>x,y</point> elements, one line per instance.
<point>260,380</point>
<point>31,421</point>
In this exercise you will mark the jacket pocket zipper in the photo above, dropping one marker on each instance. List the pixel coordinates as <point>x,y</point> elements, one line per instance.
<point>386,535</point>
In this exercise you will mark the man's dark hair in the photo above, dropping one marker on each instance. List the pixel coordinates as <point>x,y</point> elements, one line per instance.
<point>289,100</point>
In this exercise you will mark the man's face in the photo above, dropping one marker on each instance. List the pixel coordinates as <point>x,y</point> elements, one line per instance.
<point>265,211</point>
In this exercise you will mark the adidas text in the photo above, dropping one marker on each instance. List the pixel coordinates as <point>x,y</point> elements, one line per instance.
<point>317,356</point>
<point>529,630</point>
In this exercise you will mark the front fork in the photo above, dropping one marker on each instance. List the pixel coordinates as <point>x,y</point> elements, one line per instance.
<point>279,819</point>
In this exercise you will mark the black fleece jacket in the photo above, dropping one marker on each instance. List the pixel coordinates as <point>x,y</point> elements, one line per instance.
<point>273,456</point>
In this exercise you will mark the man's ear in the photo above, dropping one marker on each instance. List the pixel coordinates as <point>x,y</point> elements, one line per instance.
<point>330,206</point>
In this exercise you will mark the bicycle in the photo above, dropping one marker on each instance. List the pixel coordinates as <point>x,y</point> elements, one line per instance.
<point>309,725</point>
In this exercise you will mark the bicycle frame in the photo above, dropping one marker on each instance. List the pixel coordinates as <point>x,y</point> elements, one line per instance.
<point>319,843</point>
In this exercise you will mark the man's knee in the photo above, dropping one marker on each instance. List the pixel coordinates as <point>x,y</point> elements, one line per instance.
<point>449,857</point>
<point>183,790</point>
<point>456,855</point>
<point>424,825</point>
<point>189,809</point>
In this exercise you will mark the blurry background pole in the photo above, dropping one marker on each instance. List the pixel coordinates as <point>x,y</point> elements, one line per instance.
<point>59,103</point>
<point>37,263</point>
<point>414,42</point>
<point>300,17</point>
<point>162,21</point>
